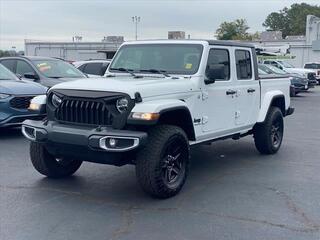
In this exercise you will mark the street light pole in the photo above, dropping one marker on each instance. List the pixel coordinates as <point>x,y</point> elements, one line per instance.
<point>136,20</point>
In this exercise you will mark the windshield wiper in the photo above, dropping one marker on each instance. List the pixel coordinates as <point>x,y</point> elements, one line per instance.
<point>156,71</point>
<point>130,71</point>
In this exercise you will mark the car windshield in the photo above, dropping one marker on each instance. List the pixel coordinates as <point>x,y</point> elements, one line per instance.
<point>5,74</point>
<point>312,65</point>
<point>158,58</point>
<point>265,69</point>
<point>286,65</point>
<point>276,70</point>
<point>57,69</point>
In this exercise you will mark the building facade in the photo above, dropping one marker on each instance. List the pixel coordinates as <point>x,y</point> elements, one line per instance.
<point>73,51</point>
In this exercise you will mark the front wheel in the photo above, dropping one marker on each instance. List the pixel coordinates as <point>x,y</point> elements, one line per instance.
<point>269,134</point>
<point>49,165</point>
<point>162,166</point>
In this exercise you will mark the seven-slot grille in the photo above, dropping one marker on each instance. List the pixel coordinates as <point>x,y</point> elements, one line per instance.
<point>84,112</point>
<point>21,102</point>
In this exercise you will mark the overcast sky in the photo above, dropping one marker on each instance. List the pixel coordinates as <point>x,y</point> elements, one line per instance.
<point>59,20</point>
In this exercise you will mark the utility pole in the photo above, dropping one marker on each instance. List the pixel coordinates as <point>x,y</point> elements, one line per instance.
<point>136,20</point>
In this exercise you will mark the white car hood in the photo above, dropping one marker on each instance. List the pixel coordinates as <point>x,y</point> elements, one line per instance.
<point>299,70</point>
<point>146,86</point>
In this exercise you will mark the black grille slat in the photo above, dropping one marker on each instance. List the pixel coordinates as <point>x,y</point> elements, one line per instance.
<point>22,102</point>
<point>84,111</point>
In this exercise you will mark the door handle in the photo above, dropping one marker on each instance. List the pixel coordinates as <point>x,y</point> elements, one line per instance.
<point>251,90</point>
<point>231,92</point>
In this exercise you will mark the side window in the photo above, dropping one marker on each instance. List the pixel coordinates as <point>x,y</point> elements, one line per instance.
<point>10,64</point>
<point>23,67</point>
<point>218,64</point>
<point>82,67</point>
<point>93,68</point>
<point>244,64</point>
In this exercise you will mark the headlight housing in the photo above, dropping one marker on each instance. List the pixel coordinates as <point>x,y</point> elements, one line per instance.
<point>122,104</point>
<point>56,100</point>
<point>4,96</point>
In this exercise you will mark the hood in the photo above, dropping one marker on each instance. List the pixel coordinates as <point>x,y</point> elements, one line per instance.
<point>21,87</point>
<point>301,71</point>
<point>146,86</point>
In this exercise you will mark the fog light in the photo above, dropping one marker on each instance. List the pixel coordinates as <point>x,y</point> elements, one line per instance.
<point>112,142</point>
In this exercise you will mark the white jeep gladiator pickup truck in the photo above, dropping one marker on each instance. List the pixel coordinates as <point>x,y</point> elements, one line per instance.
<point>157,99</point>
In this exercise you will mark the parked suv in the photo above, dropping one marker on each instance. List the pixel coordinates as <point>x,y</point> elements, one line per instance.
<point>158,99</point>
<point>93,68</point>
<point>289,68</point>
<point>314,66</point>
<point>15,97</point>
<point>44,70</point>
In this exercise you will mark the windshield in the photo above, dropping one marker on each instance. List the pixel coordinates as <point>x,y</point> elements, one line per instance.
<point>265,69</point>
<point>57,69</point>
<point>168,58</point>
<point>5,74</point>
<point>286,65</point>
<point>276,70</point>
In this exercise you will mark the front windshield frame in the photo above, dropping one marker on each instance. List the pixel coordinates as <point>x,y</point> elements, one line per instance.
<point>7,74</point>
<point>37,63</point>
<point>112,68</point>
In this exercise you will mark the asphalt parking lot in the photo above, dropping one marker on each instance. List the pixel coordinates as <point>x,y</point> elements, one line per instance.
<point>232,192</point>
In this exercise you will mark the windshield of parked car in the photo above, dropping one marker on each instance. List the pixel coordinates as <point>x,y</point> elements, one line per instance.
<point>5,74</point>
<point>312,65</point>
<point>286,65</point>
<point>57,69</point>
<point>265,69</point>
<point>276,70</point>
<point>158,58</point>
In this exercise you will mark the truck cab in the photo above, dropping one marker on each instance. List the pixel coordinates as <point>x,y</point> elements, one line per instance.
<point>156,100</point>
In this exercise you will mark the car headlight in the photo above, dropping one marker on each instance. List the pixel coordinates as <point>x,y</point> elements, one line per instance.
<point>3,95</point>
<point>122,104</point>
<point>56,100</point>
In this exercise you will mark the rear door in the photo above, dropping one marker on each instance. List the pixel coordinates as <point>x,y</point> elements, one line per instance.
<point>247,87</point>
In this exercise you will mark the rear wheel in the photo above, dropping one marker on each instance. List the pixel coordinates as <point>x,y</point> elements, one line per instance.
<point>49,165</point>
<point>269,134</point>
<point>162,166</point>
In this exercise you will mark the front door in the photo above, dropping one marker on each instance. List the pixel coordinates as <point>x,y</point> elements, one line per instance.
<point>219,97</point>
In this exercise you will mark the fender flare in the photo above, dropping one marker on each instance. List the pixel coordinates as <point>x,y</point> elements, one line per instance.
<point>266,102</point>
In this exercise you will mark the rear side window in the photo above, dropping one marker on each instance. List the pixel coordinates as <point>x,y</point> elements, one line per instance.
<point>23,68</point>
<point>93,68</point>
<point>219,59</point>
<point>244,64</point>
<point>10,64</point>
<point>312,66</point>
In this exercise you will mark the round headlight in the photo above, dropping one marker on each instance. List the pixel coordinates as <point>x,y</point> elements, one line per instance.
<point>122,105</point>
<point>56,100</point>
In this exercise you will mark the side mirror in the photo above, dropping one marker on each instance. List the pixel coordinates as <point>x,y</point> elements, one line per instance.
<point>31,75</point>
<point>214,72</point>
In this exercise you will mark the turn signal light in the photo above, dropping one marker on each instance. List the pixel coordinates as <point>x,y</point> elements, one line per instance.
<point>146,116</point>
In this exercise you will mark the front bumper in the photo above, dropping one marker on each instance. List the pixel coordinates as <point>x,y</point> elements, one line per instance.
<point>84,142</point>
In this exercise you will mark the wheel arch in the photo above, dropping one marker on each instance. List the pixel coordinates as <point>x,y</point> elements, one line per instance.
<point>272,100</point>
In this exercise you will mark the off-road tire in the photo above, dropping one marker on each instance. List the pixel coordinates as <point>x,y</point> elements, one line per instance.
<point>264,135</point>
<point>48,165</point>
<point>152,163</point>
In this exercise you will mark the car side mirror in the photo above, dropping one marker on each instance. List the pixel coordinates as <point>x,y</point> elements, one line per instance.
<point>214,72</point>
<point>31,75</point>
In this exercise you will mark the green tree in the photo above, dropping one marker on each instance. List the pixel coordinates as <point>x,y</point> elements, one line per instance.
<point>291,21</point>
<point>236,30</point>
